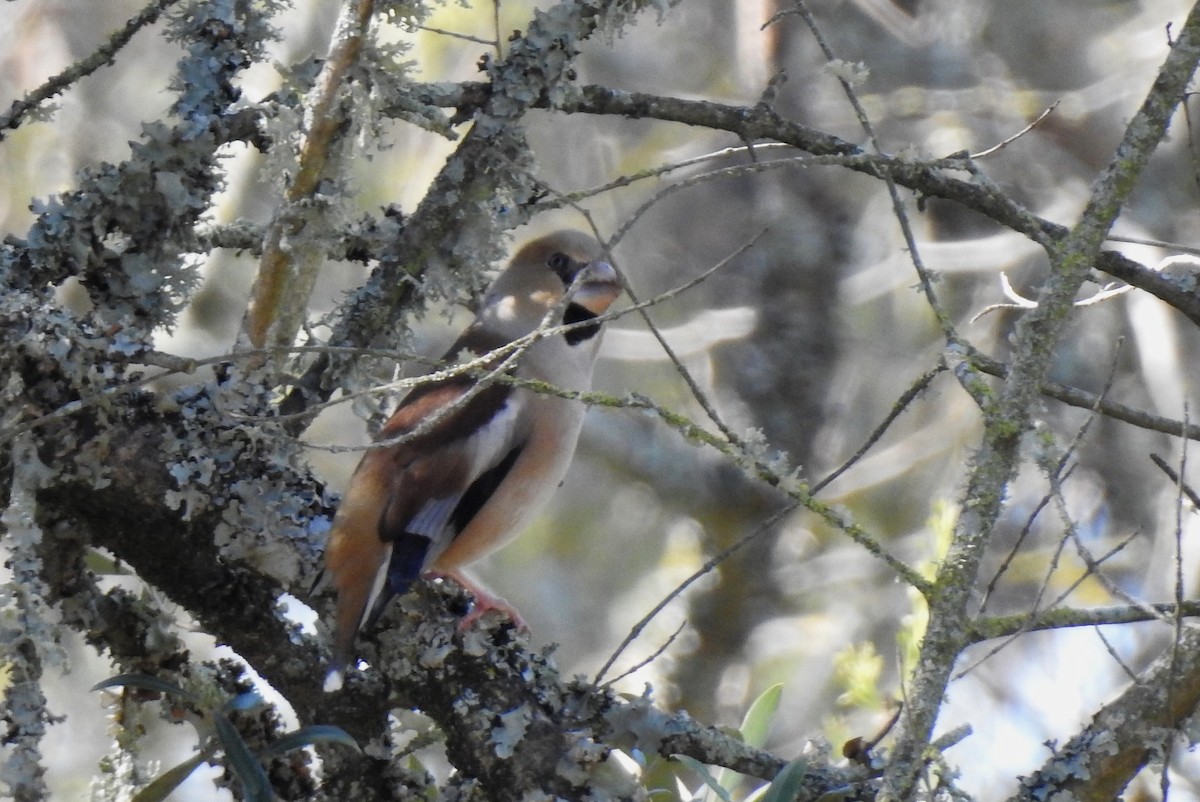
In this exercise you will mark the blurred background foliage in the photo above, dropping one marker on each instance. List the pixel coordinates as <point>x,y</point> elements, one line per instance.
<point>821,332</point>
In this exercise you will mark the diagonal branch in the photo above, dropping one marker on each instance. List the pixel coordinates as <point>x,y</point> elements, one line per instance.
<point>1101,759</point>
<point>934,179</point>
<point>101,56</point>
<point>485,188</point>
<point>293,249</point>
<point>1009,417</point>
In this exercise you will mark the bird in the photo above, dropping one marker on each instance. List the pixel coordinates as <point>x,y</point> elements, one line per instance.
<point>463,464</point>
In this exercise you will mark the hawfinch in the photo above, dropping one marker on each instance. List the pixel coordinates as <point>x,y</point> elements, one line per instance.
<point>477,470</point>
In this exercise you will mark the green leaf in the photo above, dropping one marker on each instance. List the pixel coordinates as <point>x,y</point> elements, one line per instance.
<point>317,733</point>
<point>243,762</point>
<point>786,784</point>
<point>756,725</point>
<point>148,683</point>
<point>659,775</point>
<point>709,780</point>
<point>162,785</point>
<point>858,668</point>
<point>757,722</point>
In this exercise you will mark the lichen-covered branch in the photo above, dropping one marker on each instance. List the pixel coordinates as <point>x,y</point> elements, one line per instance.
<point>1007,420</point>
<point>123,231</point>
<point>991,627</point>
<point>26,106</point>
<point>27,631</point>
<point>1101,759</point>
<point>552,737</point>
<point>202,493</point>
<point>121,234</point>
<point>294,246</point>
<point>207,507</point>
<point>486,187</point>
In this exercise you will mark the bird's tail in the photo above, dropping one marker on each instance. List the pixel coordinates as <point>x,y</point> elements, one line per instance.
<point>395,576</point>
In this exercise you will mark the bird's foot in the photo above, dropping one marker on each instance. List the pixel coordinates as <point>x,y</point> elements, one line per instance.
<point>485,602</point>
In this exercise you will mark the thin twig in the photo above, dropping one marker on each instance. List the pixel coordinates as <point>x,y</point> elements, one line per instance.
<point>456,35</point>
<point>570,198</point>
<point>1177,480</point>
<point>1191,250</point>
<point>103,55</point>
<point>1193,150</point>
<point>651,658</point>
<point>999,146</point>
<point>1046,619</point>
<point>1177,639</point>
<point>1112,652</point>
<point>1030,520</point>
<point>697,392</point>
<point>1093,565</point>
<point>702,571</point>
<point>723,172</point>
<point>920,385</point>
<point>910,240</point>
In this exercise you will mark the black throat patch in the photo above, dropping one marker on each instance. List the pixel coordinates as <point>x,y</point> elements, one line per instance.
<point>578,314</point>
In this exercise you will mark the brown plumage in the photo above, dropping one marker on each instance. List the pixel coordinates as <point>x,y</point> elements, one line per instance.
<point>437,501</point>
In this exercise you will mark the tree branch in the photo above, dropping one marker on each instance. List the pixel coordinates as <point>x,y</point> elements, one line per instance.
<point>929,179</point>
<point>1102,758</point>
<point>294,249</point>
<point>1010,416</point>
<point>466,682</point>
<point>20,109</point>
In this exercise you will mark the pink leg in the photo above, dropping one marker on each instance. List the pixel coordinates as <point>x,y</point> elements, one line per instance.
<point>485,601</point>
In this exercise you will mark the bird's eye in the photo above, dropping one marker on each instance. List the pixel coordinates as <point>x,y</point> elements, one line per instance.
<point>560,263</point>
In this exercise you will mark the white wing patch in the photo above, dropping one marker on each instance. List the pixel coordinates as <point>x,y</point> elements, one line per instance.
<point>506,308</point>
<point>377,587</point>
<point>431,519</point>
<point>486,448</point>
<point>492,441</point>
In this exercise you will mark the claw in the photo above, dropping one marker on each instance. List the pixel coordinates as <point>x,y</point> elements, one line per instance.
<point>485,602</point>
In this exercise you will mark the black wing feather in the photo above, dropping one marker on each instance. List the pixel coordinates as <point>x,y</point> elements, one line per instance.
<point>481,490</point>
<point>409,551</point>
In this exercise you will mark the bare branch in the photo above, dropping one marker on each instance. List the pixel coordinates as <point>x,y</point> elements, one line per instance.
<point>901,215</point>
<point>1002,144</point>
<point>1003,626</point>
<point>918,386</point>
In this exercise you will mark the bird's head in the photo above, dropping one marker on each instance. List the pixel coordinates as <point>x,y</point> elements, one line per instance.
<point>546,269</point>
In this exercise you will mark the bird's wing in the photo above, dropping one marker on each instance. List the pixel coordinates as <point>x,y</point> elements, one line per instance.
<point>443,476</point>
<point>470,436</point>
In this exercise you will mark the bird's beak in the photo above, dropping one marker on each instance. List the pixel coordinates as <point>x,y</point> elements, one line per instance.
<point>596,287</point>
